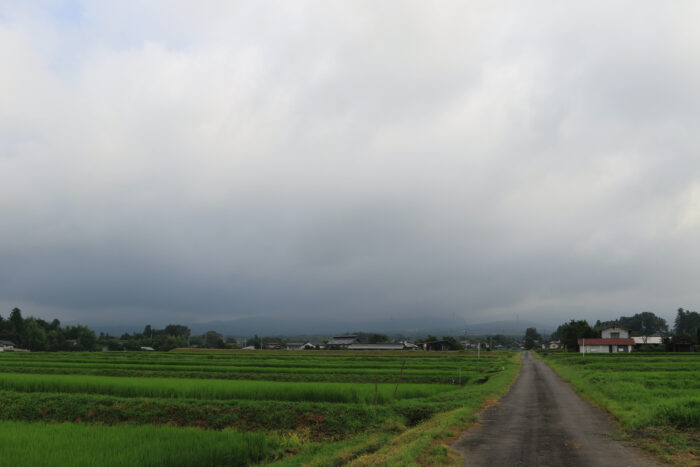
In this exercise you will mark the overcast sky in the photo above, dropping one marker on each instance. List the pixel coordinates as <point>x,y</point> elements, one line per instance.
<point>170,161</point>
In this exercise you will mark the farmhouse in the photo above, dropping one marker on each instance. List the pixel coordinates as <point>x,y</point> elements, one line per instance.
<point>613,340</point>
<point>299,345</point>
<point>436,345</point>
<point>342,342</point>
<point>7,346</point>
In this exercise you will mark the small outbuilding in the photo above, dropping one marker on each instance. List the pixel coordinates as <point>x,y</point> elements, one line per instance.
<point>7,346</point>
<point>436,345</point>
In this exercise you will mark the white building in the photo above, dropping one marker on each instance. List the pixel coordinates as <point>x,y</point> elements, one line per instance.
<point>7,346</point>
<point>648,340</point>
<point>613,340</point>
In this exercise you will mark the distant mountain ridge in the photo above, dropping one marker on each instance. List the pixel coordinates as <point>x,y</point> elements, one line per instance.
<point>293,326</point>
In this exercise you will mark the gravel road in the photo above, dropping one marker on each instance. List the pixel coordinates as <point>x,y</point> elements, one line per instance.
<point>541,421</point>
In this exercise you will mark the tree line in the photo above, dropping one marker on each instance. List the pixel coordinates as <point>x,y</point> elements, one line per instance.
<point>36,334</point>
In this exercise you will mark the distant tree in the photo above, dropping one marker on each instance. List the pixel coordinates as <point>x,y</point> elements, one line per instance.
<point>86,338</point>
<point>114,344</point>
<point>147,331</point>
<point>165,342</point>
<point>213,340</point>
<point>644,324</point>
<point>55,340</point>
<point>177,330</point>
<point>687,322</point>
<point>34,335</point>
<point>569,333</point>
<point>531,338</point>
<point>133,344</point>
<point>17,326</point>
<point>196,341</point>
<point>231,342</point>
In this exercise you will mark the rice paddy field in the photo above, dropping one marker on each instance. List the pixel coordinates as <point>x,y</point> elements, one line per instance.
<point>241,407</point>
<point>654,396</point>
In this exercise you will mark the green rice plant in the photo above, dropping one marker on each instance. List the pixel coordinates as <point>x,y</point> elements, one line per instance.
<point>318,420</point>
<point>40,444</point>
<point>272,366</point>
<point>215,389</point>
<point>680,413</point>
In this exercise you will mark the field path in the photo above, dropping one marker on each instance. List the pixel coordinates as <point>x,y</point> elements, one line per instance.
<point>541,421</point>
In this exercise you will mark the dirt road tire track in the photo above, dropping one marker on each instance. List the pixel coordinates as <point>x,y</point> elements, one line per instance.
<point>541,421</point>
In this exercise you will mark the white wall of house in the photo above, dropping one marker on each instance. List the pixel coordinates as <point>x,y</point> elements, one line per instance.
<point>605,348</point>
<point>595,349</point>
<point>648,340</point>
<point>613,333</point>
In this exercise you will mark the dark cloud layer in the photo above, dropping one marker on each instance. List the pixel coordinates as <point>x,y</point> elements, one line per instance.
<point>227,160</point>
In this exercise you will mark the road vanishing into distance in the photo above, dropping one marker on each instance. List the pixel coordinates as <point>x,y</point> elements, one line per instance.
<point>541,421</point>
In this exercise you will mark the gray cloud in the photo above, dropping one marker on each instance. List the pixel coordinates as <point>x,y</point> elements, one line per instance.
<point>354,159</point>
